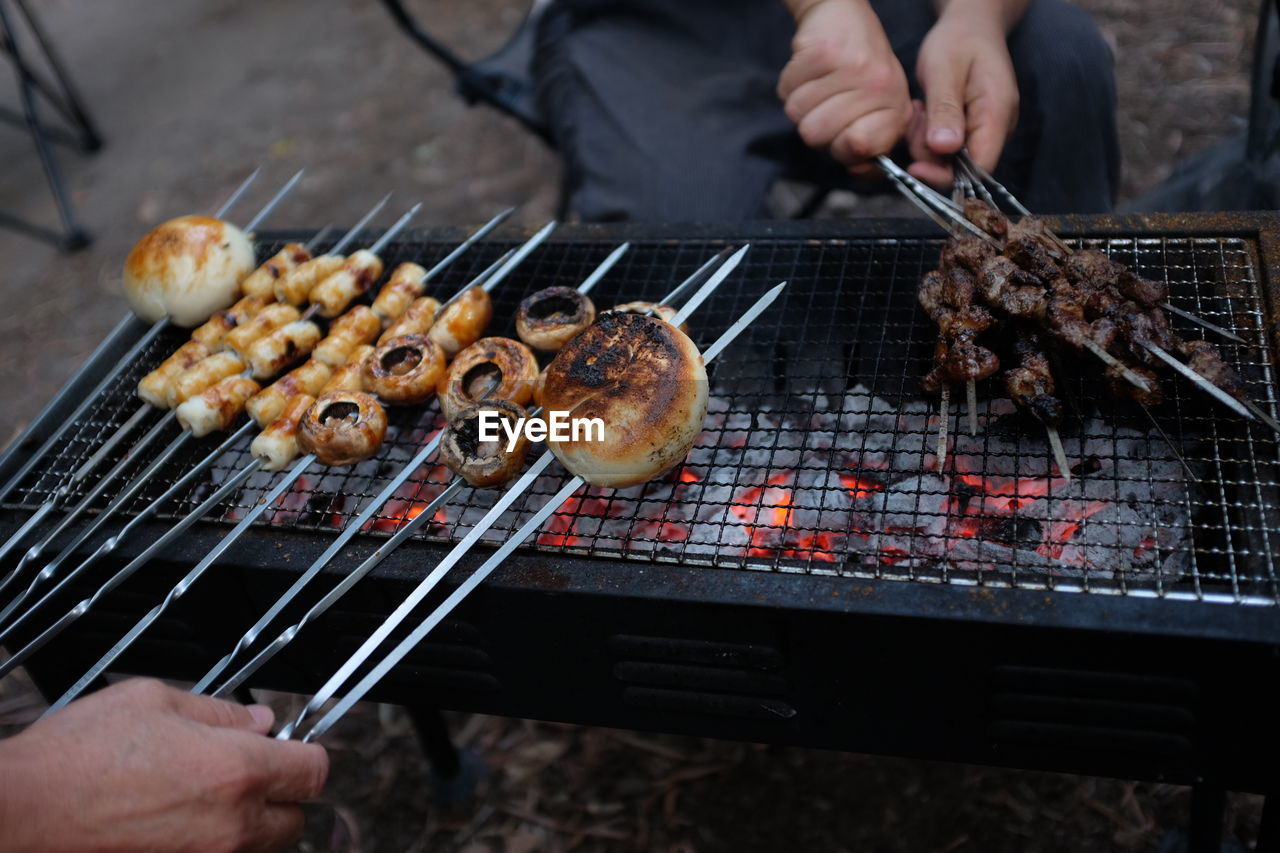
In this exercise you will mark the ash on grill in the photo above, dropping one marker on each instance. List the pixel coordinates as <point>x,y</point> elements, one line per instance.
<point>850,480</point>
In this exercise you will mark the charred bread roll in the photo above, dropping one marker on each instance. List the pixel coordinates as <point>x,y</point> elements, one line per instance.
<point>343,427</point>
<point>662,312</point>
<point>549,318</point>
<point>645,380</point>
<point>463,321</point>
<point>269,319</point>
<point>489,369</point>
<point>405,285</point>
<point>404,370</point>
<point>187,268</point>
<point>481,463</point>
<point>201,375</point>
<point>272,354</point>
<point>416,320</point>
<point>222,323</point>
<point>359,272</point>
<point>262,281</point>
<point>154,388</point>
<point>295,286</point>
<point>270,402</point>
<point>277,444</point>
<point>350,377</point>
<point>356,327</point>
<point>538,385</point>
<point>217,406</point>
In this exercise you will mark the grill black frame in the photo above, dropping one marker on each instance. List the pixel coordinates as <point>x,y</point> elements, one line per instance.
<point>1157,688</point>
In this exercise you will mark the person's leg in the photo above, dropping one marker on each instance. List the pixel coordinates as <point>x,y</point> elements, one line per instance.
<point>656,106</point>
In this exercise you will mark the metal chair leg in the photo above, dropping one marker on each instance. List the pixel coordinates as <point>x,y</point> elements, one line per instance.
<point>1208,807</point>
<point>455,772</point>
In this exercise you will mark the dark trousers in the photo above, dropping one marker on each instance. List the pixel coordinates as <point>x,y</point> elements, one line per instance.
<point>666,110</point>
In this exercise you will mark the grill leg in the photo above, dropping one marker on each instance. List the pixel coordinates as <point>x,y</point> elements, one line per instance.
<point>1208,806</point>
<point>1269,832</point>
<point>455,773</point>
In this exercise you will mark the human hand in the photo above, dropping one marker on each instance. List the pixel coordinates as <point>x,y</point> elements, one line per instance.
<point>844,88</point>
<point>140,766</point>
<point>971,92</point>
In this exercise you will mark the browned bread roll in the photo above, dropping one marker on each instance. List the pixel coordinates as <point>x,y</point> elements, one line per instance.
<point>186,269</point>
<point>645,380</point>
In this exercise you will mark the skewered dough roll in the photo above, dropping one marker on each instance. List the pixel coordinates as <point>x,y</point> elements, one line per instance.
<point>645,380</point>
<point>186,269</point>
<point>462,322</point>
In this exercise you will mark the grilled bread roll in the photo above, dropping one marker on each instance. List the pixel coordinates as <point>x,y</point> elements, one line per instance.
<point>645,380</point>
<point>266,321</point>
<point>350,377</point>
<point>416,319</point>
<point>662,312</point>
<point>262,281</point>
<point>273,353</point>
<point>223,323</point>
<point>217,406</point>
<point>406,284</point>
<point>295,286</point>
<point>277,444</point>
<point>154,388</point>
<point>187,268</point>
<point>549,318</point>
<point>358,326</point>
<point>270,402</point>
<point>343,427</point>
<point>462,321</point>
<point>201,375</point>
<point>357,274</point>
<point>489,369</point>
<point>484,464</point>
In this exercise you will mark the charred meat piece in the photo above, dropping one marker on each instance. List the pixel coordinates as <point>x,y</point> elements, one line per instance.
<point>986,218</point>
<point>1124,389</point>
<point>1031,248</point>
<point>966,252</point>
<point>1067,323</point>
<point>1205,359</point>
<point>1013,290</point>
<point>1030,385</point>
<point>1092,268</point>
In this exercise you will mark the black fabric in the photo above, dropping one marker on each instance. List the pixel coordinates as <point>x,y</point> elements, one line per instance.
<point>666,110</point>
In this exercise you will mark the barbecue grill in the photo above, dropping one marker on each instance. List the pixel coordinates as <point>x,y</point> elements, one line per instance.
<point>806,578</point>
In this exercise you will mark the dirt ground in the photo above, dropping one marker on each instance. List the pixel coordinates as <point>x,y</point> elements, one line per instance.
<point>193,94</point>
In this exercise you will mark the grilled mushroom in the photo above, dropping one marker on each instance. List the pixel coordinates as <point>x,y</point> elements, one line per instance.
<point>484,464</point>
<point>343,427</point>
<point>662,312</point>
<point>645,380</point>
<point>405,370</point>
<point>549,318</point>
<point>462,321</point>
<point>489,369</point>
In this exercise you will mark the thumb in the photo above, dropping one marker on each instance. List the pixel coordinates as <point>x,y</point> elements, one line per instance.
<point>944,111</point>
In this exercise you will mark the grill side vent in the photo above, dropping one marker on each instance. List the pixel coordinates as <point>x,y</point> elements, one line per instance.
<point>701,677</point>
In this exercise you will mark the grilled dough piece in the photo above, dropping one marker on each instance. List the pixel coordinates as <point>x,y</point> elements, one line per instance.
<point>203,374</point>
<point>222,323</point>
<point>358,326</point>
<point>662,312</point>
<point>484,463</point>
<point>277,444</point>
<point>266,321</point>
<point>187,268</point>
<point>462,321</point>
<point>645,380</point>
<point>416,320</point>
<point>350,377</point>
<point>154,388</point>
<point>217,406</point>
<point>343,427</point>
<point>269,355</point>
<point>270,402</point>
<point>357,274</point>
<point>405,285</point>
<point>489,369</point>
<point>295,286</point>
<point>549,318</point>
<point>404,370</point>
<point>262,281</point>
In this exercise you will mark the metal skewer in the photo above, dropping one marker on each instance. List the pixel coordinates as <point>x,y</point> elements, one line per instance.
<point>1059,455</point>
<point>194,575</point>
<point>513,493</point>
<point>124,362</point>
<point>390,234</point>
<point>121,364</point>
<point>507,548</point>
<point>1200,382</point>
<point>921,195</point>
<point>944,424</point>
<point>196,514</point>
<point>402,534</point>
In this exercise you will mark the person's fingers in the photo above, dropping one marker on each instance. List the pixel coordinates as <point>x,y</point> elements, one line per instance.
<point>290,771</point>
<point>220,712</point>
<point>810,60</point>
<point>945,107</point>
<point>929,167</point>
<point>821,125</point>
<point>275,827</point>
<point>868,137</point>
<point>808,95</point>
<point>936,176</point>
<point>991,119</point>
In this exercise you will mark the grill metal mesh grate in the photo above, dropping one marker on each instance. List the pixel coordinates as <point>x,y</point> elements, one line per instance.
<point>779,481</point>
